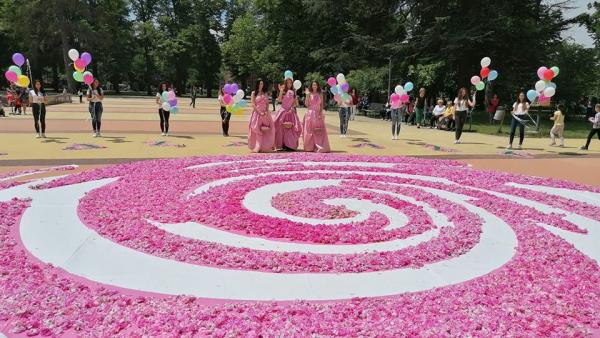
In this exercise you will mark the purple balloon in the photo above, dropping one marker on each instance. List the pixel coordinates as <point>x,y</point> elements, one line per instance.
<point>18,59</point>
<point>227,88</point>
<point>345,87</point>
<point>234,88</point>
<point>173,103</point>
<point>86,57</point>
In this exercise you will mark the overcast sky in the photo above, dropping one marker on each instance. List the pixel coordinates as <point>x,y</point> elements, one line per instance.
<point>578,33</point>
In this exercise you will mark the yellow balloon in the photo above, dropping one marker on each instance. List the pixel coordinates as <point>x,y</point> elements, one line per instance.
<point>228,108</point>
<point>78,69</point>
<point>23,81</point>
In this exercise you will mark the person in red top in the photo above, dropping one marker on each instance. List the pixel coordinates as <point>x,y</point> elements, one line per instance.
<point>354,103</point>
<point>493,104</point>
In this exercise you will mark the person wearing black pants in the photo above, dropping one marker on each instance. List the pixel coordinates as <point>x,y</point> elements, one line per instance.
<point>462,103</point>
<point>95,95</point>
<point>37,97</point>
<point>225,115</point>
<point>595,128</point>
<point>164,115</point>
<point>520,109</point>
<point>193,95</point>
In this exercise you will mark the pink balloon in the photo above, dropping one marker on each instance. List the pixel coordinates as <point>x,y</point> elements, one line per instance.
<point>331,81</point>
<point>541,71</point>
<point>337,98</point>
<point>404,98</point>
<point>171,95</point>
<point>394,97</point>
<point>86,58</point>
<point>475,80</point>
<point>11,76</point>
<point>80,64</point>
<point>88,79</point>
<point>227,99</point>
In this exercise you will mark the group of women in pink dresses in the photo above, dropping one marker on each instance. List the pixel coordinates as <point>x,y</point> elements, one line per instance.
<point>267,134</point>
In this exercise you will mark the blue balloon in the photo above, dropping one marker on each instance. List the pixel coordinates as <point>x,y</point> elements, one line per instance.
<point>243,103</point>
<point>333,90</point>
<point>174,109</point>
<point>408,86</point>
<point>288,74</point>
<point>532,95</point>
<point>493,75</point>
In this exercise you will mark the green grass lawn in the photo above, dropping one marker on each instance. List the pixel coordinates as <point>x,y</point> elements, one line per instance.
<point>574,128</point>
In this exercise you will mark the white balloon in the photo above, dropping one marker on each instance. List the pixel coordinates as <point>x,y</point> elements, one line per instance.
<point>340,78</point>
<point>540,85</point>
<point>485,62</point>
<point>399,90</point>
<point>73,54</point>
<point>549,92</point>
<point>166,106</point>
<point>297,84</point>
<point>240,94</point>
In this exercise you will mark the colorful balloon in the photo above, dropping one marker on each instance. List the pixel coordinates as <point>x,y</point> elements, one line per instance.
<point>548,75</point>
<point>408,86</point>
<point>341,78</point>
<point>16,70</point>
<point>540,85</point>
<point>493,75</point>
<point>404,98</point>
<point>549,92</point>
<point>541,71</point>
<point>484,72</point>
<point>18,59</point>
<point>171,95</point>
<point>555,70</point>
<point>551,84</point>
<point>86,58</point>
<point>532,95</point>
<point>88,79</point>
<point>333,90</point>
<point>331,81</point>
<point>11,76</point>
<point>480,86</point>
<point>399,90</point>
<point>485,62</point>
<point>227,88</point>
<point>78,76</point>
<point>73,54</point>
<point>337,98</point>
<point>79,65</point>
<point>475,80</point>
<point>23,81</point>
<point>234,88</point>
<point>164,96</point>
<point>288,75</point>
<point>227,99</point>
<point>173,102</point>
<point>174,109</point>
<point>345,87</point>
<point>166,106</point>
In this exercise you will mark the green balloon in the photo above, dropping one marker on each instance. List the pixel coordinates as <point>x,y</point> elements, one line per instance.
<point>15,69</point>
<point>78,76</point>
<point>555,70</point>
<point>480,86</point>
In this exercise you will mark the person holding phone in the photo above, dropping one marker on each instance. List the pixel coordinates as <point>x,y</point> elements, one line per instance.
<point>38,98</point>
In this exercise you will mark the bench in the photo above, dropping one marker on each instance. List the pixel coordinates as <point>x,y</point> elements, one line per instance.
<point>375,110</point>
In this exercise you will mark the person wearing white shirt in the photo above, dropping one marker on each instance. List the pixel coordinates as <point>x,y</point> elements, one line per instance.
<point>37,97</point>
<point>520,111</point>
<point>437,112</point>
<point>462,103</point>
<point>163,114</point>
<point>95,95</point>
<point>344,115</point>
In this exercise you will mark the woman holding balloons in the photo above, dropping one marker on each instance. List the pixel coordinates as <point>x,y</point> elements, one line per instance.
<point>38,98</point>
<point>261,131</point>
<point>315,132</point>
<point>95,95</point>
<point>519,112</point>
<point>225,115</point>
<point>288,127</point>
<point>162,99</point>
<point>462,103</point>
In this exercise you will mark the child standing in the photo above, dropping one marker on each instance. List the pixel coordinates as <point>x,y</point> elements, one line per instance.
<point>559,126</point>
<point>595,128</point>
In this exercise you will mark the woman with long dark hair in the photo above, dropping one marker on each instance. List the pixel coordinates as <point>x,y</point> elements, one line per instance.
<point>225,115</point>
<point>163,114</point>
<point>315,132</point>
<point>261,131</point>
<point>462,103</point>
<point>520,111</point>
<point>95,95</point>
<point>38,98</point>
<point>288,127</point>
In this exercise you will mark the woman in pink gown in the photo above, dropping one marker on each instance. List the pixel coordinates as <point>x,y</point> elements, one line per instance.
<point>261,131</point>
<point>315,132</point>
<point>288,127</point>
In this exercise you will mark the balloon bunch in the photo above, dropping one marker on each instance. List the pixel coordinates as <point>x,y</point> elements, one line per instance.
<point>79,63</point>
<point>234,98</point>
<point>169,101</point>
<point>14,74</point>
<point>339,88</point>
<point>485,72</point>
<point>400,94</point>
<point>544,88</point>
<point>289,75</point>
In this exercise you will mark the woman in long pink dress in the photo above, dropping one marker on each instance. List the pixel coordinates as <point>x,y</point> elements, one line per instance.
<point>288,127</point>
<point>315,132</point>
<point>261,131</point>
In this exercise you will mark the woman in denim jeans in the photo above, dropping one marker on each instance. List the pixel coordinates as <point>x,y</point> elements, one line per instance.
<point>344,116</point>
<point>95,95</point>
